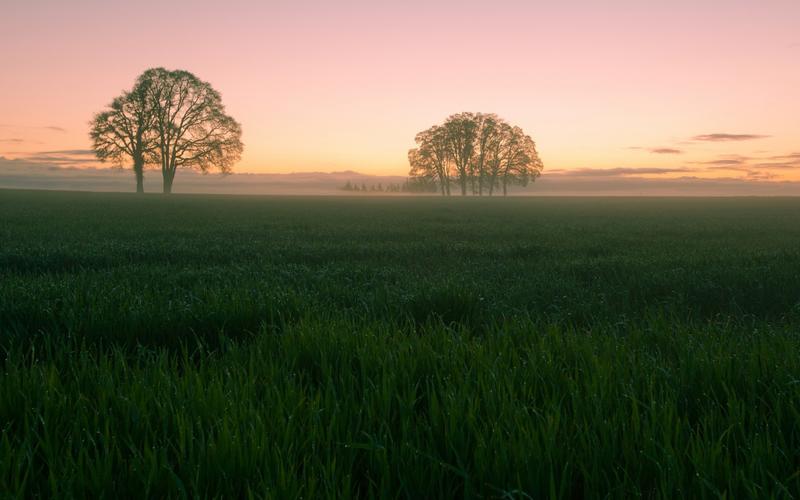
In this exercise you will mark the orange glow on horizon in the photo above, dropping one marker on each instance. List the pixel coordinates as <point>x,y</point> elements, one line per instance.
<point>617,85</point>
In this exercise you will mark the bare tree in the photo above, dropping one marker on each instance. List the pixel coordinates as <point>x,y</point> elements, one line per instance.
<point>190,125</point>
<point>125,131</point>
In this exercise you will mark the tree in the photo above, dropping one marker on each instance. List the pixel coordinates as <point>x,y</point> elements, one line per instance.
<point>190,125</point>
<point>479,150</point>
<point>125,131</point>
<point>521,163</point>
<point>486,134</point>
<point>430,158</point>
<point>460,134</point>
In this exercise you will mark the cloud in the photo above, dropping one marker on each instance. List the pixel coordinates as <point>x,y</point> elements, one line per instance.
<point>659,151</point>
<point>56,159</point>
<point>752,164</point>
<point>727,137</point>
<point>12,140</point>
<point>41,127</point>
<point>792,156</point>
<point>760,175</point>
<point>779,166</point>
<point>723,162</point>
<point>63,157</point>
<point>620,171</point>
<point>75,152</point>
<point>730,168</point>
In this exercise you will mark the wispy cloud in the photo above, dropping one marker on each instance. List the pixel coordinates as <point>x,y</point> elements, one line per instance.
<point>779,166</point>
<point>758,175</point>
<point>659,151</point>
<point>54,128</point>
<point>754,168</point>
<point>75,152</point>
<point>620,171</point>
<point>727,137</point>
<point>56,159</point>
<point>792,156</point>
<point>15,141</point>
<point>63,157</point>
<point>723,162</point>
<point>666,151</point>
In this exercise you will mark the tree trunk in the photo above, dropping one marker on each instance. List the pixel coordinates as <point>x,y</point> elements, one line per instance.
<point>168,178</point>
<point>463,185</point>
<point>138,170</point>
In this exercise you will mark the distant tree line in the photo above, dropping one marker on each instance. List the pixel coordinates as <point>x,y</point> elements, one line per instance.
<point>476,152</point>
<point>171,120</point>
<point>415,185</point>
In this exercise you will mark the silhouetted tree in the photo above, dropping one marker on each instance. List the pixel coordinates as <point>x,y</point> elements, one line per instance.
<point>479,150</point>
<point>486,133</point>
<point>190,125</point>
<point>460,132</point>
<point>520,162</point>
<point>125,130</point>
<point>431,157</point>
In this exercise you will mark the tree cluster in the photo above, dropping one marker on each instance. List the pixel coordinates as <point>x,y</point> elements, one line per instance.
<point>171,120</point>
<point>476,152</point>
<point>414,185</point>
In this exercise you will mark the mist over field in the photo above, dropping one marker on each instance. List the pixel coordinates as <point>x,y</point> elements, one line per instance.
<point>26,174</point>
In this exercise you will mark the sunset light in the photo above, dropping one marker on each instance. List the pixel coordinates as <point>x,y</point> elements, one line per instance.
<point>423,249</point>
<point>322,87</point>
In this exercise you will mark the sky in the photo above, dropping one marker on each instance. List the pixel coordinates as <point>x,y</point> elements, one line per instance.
<point>679,89</point>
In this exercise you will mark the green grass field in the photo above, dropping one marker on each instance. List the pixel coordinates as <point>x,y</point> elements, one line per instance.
<point>409,347</point>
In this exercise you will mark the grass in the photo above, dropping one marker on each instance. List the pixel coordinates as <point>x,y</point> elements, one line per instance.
<point>198,346</point>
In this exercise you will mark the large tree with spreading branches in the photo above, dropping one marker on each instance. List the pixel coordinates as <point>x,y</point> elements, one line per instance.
<point>171,119</point>
<point>480,152</point>
<point>190,124</point>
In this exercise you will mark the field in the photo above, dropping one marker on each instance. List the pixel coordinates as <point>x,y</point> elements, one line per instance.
<point>399,347</point>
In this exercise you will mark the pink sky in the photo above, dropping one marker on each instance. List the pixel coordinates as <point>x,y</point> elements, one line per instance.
<point>323,86</point>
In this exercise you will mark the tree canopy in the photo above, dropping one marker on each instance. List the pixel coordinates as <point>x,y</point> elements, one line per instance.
<point>191,127</point>
<point>172,119</point>
<point>125,130</point>
<point>478,152</point>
